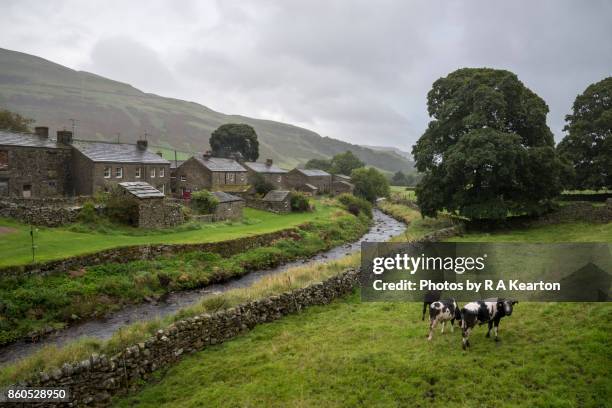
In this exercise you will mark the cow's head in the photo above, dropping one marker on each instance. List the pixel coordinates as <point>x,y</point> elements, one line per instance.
<point>505,306</point>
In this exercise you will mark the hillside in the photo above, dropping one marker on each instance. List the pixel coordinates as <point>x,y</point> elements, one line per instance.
<point>52,94</point>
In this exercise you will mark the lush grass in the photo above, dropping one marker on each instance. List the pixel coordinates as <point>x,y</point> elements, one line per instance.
<point>417,225</point>
<point>32,303</point>
<point>57,243</point>
<point>401,192</point>
<point>52,357</point>
<point>375,354</point>
<point>566,232</point>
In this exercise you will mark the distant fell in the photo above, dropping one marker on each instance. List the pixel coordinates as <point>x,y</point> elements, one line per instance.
<point>110,110</point>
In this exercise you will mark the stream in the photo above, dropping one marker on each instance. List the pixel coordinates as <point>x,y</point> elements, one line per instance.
<point>383,228</point>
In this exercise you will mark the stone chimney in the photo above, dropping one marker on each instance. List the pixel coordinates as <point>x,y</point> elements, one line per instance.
<point>206,155</point>
<point>142,144</point>
<point>42,132</point>
<point>269,162</point>
<point>64,136</point>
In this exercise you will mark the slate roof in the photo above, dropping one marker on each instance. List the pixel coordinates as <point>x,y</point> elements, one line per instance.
<point>264,168</point>
<point>276,195</point>
<point>311,187</point>
<point>313,172</point>
<point>344,183</point>
<point>174,164</point>
<point>219,164</point>
<point>116,153</point>
<point>141,190</point>
<point>225,197</point>
<point>27,140</point>
<point>342,177</point>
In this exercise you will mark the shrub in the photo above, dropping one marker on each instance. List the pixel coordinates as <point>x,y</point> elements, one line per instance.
<point>187,212</point>
<point>121,209</point>
<point>355,205</point>
<point>204,202</point>
<point>261,185</point>
<point>300,202</point>
<point>88,214</point>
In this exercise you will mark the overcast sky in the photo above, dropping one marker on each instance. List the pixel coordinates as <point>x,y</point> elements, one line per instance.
<point>353,70</point>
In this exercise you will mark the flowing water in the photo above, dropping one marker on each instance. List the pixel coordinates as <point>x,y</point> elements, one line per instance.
<point>383,228</point>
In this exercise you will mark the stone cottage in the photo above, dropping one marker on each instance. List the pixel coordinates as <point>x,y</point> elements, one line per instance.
<point>33,166</point>
<point>310,181</point>
<point>268,170</point>
<point>341,184</point>
<point>230,206</point>
<point>153,210</point>
<point>278,201</point>
<point>98,166</point>
<point>210,173</point>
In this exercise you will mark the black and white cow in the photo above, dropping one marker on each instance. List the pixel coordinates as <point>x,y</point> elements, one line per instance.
<point>442,311</point>
<point>484,311</point>
<point>430,297</point>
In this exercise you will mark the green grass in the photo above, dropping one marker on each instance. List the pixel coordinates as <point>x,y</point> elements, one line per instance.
<point>57,243</point>
<point>417,225</point>
<point>350,354</point>
<point>566,232</point>
<point>401,192</point>
<point>33,303</point>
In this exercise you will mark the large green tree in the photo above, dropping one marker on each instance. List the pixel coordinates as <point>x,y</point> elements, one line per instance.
<point>488,152</point>
<point>319,164</point>
<point>14,122</point>
<point>588,145</point>
<point>369,183</point>
<point>345,163</point>
<point>233,138</point>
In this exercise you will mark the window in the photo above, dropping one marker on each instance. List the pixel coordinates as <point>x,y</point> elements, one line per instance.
<point>138,172</point>
<point>183,178</point>
<point>153,172</point>
<point>230,178</point>
<point>241,176</point>
<point>119,172</point>
<point>107,172</point>
<point>3,159</point>
<point>4,188</point>
<point>52,185</point>
<point>162,172</point>
<point>279,179</point>
<point>27,191</point>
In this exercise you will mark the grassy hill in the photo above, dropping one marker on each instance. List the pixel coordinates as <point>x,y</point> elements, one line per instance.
<point>52,94</point>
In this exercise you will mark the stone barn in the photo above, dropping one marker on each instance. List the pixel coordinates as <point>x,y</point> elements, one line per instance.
<point>268,170</point>
<point>230,206</point>
<point>153,210</point>
<point>277,201</point>
<point>306,179</point>
<point>341,184</point>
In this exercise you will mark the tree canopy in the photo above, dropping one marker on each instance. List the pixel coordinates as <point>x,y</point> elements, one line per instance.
<point>401,179</point>
<point>319,164</point>
<point>588,145</point>
<point>369,183</point>
<point>233,138</point>
<point>341,163</point>
<point>488,152</point>
<point>14,122</point>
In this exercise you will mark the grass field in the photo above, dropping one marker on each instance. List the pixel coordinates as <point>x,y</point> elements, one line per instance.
<point>401,192</point>
<point>351,354</point>
<point>57,243</point>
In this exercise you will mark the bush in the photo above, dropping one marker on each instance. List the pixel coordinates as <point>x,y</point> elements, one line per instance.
<point>121,209</point>
<point>204,202</point>
<point>355,205</point>
<point>88,214</point>
<point>300,202</point>
<point>261,185</point>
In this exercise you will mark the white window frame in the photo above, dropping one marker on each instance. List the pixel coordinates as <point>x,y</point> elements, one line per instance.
<point>119,172</point>
<point>108,172</point>
<point>138,172</point>
<point>162,172</point>
<point>183,177</point>
<point>152,172</point>
<point>163,189</point>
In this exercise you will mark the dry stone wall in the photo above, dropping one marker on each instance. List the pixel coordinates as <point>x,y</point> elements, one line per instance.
<point>92,382</point>
<point>46,212</point>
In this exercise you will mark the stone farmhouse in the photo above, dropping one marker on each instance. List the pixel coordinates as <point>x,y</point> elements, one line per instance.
<point>268,170</point>
<point>34,166</point>
<point>210,173</point>
<point>341,184</point>
<point>309,181</point>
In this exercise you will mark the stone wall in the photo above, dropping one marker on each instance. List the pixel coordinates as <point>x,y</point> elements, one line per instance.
<point>48,212</point>
<point>231,210</point>
<point>157,213</point>
<point>279,207</point>
<point>144,252</point>
<point>95,380</point>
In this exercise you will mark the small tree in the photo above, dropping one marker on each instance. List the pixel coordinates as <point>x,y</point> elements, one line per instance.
<point>588,145</point>
<point>370,184</point>
<point>398,179</point>
<point>14,122</point>
<point>261,185</point>
<point>319,164</point>
<point>233,138</point>
<point>345,163</point>
<point>204,202</point>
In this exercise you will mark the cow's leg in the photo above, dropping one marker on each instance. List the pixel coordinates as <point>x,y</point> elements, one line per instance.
<point>465,339</point>
<point>489,331</point>
<point>496,324</point>
<point>452,324</point>
<point>425,304</point>
<point>432,326</point>
<point>443,323</point>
